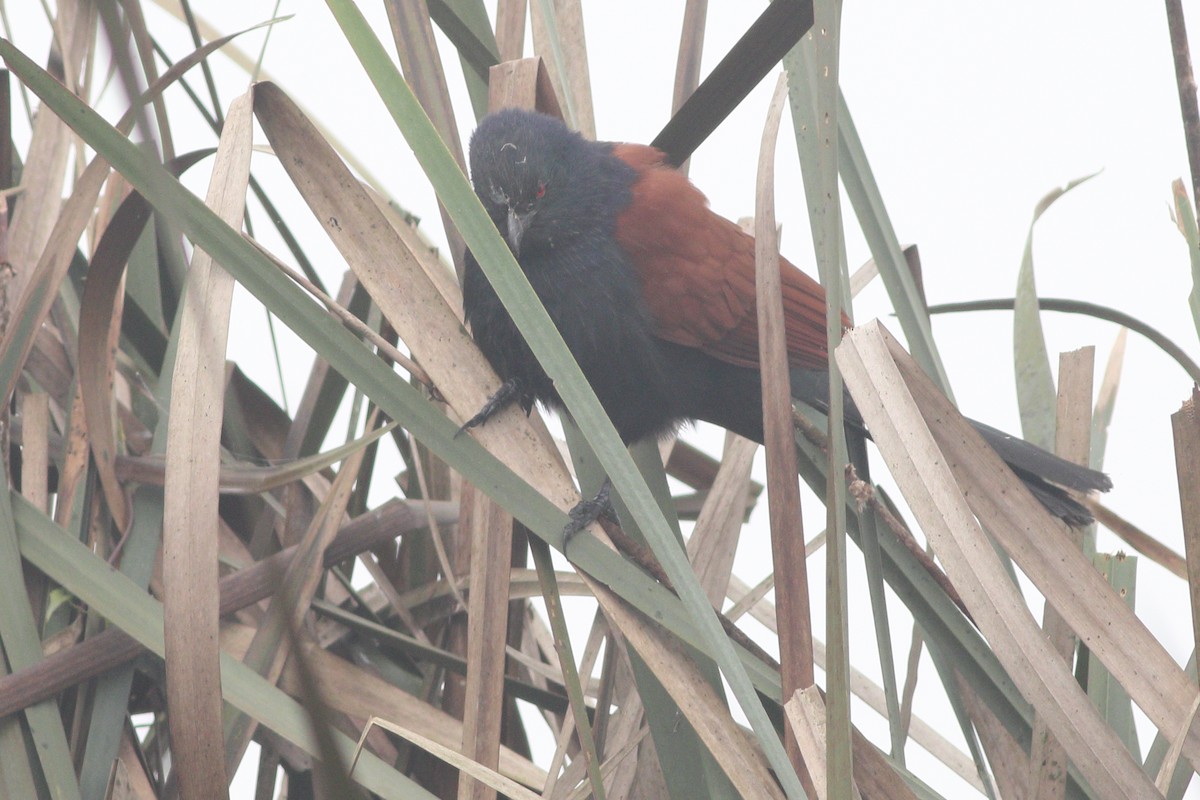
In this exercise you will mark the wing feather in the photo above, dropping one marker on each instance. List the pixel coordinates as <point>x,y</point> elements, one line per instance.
<point>697,270</point>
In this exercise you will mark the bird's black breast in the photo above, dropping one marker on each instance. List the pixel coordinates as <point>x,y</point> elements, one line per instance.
<point>497,336</point>
<point>593,299</point>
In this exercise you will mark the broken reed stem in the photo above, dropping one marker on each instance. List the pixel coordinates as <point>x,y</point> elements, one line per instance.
<point>1137,538</point>
<point>1186,82</point>
<point>1185,427</point>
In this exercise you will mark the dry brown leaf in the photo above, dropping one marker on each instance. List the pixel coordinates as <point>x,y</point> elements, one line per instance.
<point>452,757</point>
<point>714,539</point>
<point>35,455</point>
<point>1047,760</point>
<point>1166,770</point>
<point>896,400</point>
<point>191,600</point>
<point>1008,759</point>
<point>570,76</point>
<point>487,616</point>
<point>510,29</point>
<point>100,312</point>
<point>45,166</point>
<point>783,490</point>
<point>806,717</point>
<point>40,286</point>
<point>1185,426</point>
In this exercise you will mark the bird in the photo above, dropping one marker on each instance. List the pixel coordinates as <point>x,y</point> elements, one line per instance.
<point>654,295</point>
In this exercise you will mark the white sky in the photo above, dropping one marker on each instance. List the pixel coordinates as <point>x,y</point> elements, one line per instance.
<point>968,113</point>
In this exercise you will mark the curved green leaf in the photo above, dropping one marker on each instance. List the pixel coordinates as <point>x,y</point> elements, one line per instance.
<point>1035,383</point>
<point>1069,306</point>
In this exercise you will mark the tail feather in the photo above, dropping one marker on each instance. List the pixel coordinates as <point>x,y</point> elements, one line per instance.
<point>1046,475</point>
<point>1023,456</point>
<point>1055,499</point>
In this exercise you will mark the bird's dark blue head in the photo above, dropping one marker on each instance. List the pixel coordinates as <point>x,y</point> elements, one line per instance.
<point>526,167</point>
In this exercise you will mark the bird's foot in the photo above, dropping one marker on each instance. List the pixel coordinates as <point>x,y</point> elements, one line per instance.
<point>509,392</point>
<point>586,512</point>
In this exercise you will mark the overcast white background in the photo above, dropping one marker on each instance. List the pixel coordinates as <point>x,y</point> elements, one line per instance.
<point>969,113</point>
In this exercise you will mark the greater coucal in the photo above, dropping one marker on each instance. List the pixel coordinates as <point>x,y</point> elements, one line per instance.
<point>654,295</point>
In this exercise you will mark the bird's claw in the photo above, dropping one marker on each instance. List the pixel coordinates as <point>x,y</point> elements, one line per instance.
<point>586,512</point>
<point>505,396</point>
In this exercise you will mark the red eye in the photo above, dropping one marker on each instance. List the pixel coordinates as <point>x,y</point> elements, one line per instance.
<point>541,190</point>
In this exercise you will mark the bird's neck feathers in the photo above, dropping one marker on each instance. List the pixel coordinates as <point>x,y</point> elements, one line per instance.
<point>595,188</point>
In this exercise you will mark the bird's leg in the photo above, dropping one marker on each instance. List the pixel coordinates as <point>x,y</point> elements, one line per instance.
<point>509,392</point>
<point>586,512</point>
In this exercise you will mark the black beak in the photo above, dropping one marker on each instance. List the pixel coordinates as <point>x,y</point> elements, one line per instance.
<point>517,225</point>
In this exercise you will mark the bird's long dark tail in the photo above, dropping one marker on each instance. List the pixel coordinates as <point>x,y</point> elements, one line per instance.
<point>1046,475</point>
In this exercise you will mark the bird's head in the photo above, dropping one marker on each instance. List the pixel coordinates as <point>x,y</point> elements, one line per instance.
<point>519,164</point>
